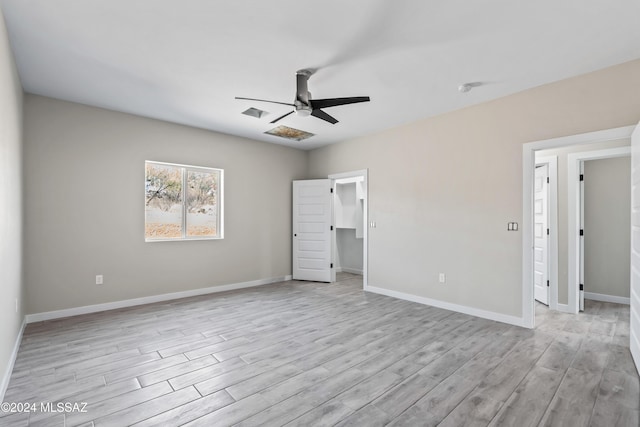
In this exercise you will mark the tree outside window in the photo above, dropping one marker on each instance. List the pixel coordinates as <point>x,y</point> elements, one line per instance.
<point>182,202</point>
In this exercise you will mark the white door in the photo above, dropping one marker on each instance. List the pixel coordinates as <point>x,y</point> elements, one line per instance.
<point>541,237</point>
<point>635,247</point>
<point>312,230</point>
<point>581,233</point>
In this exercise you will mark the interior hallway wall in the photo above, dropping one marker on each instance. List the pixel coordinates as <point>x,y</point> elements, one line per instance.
<point>607,225</point>
<point>350,250</point>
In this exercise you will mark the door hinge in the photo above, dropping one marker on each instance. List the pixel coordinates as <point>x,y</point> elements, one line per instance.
<point>581,232</point>
<point>331,190</point>
<point>331,265</point>
<point>547,283</point>
<point>547,180</point>
<point>581,177</point>
<point>581,287</point>
<point>547,231</point>
<point>331,228</point>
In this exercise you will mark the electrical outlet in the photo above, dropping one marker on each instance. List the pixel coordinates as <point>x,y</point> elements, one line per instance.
<point>442,278</point>
<point>99,279</point>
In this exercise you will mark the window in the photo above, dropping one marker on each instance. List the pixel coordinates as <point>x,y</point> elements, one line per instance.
<point>182,202</point>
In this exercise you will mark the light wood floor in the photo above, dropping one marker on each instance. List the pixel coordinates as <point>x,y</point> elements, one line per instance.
<point>304,354</point>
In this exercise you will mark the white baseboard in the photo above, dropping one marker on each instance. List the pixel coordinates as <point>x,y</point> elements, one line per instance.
<point>349,270</point>
<point>564,308</point>
<point>607,298</point>
<point>491,315</point>
<point>14,354</point>
<point>49,315</point>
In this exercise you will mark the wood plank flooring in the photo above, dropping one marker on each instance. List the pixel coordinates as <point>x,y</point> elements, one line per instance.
<point>314,354</point>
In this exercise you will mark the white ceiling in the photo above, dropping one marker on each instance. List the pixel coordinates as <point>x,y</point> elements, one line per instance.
<point>185,61</point>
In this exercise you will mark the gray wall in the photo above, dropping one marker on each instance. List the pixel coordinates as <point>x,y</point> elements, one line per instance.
<point>443,189</point>
<point>84,207</point>
<point>349,249</point>
<point>11,284</point>
<point>563,197</point>
<point>607,225</point>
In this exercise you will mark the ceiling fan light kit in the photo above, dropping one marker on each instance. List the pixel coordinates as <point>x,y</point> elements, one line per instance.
<point>303,110</point>
<point>304,106</point>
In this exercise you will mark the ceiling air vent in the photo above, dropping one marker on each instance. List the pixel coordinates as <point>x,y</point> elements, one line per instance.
<point>254,112</point>
<point>289,133</point>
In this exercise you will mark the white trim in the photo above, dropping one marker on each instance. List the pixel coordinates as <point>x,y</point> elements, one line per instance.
<point>528,166</point>
<point>634,348</point>
<point>76,311</point>
<point>574,163</point>
<point>12,360</point>
<point>552,162</point>
<point>491,315</point>
<point>350,270</point>
<point>528,300</point>
<point>607,298</point>
<point>365,218</point>
<point>361,172</point>
<point>634,338</point>
<point>564,308</point>
<point>634,342</point>
<point>634,325</point>
<point>350,179</point>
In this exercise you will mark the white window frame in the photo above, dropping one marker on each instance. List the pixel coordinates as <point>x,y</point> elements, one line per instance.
<point>219,203</point>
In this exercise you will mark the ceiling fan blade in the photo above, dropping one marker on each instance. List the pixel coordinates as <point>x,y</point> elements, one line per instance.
<point>283,116</point>
<point>334,102</point>
<point>324,116</point>
<point>264,100</point>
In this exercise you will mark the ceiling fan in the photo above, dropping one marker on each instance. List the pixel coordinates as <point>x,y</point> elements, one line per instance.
<point>305,106</point>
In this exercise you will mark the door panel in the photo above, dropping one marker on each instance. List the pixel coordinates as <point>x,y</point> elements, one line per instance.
<point>312,230</point>
<point>541,241</point>
<point>635,247</point>
<point>581,260</point>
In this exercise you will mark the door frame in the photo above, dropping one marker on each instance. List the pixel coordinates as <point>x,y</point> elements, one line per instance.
<point>552,162</point>
<point>364,173</point>
<point>575,251</point>
<point>528,166</point>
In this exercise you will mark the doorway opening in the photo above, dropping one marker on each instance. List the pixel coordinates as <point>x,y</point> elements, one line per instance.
<point>350,234</point>
<point>528,261</point>
<point>545,229</point>
<point>590,228</point>
<point>329,227</point>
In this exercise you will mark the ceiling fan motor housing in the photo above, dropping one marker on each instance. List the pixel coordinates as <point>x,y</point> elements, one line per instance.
<point>302,104</point>
<point>302,109</point>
